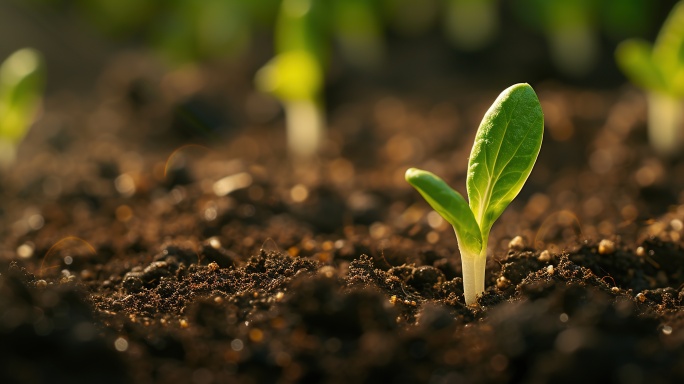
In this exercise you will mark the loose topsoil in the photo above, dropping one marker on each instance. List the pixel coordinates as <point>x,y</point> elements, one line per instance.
<point>130,256</point>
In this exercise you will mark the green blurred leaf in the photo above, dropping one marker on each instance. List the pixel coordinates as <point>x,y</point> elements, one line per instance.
<point>668,50</point>
<point>635,59</point>
<point>294,75</point>
<point>22,77</point>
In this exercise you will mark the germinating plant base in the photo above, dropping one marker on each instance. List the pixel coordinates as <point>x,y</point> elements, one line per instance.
<point>505,150</point>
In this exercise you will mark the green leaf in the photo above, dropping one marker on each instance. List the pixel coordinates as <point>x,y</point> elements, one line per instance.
<point>505,150</point>
<point>668,50</point>
<point>450,205</point>
<point>22,76</point>
<point>635,59</point>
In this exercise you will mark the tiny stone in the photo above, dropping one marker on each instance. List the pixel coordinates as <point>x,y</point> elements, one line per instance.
<point>279,296</point>
<point>641,297</point>
<point>544,256</point>
<point>641,251</point>
<point>502,282</point>
<point>41,284</point>
<point>517,243</point>
<point>218,299</point>
<point>550,270</point>
<point>184,323</point>
<point>213,266</point>
<point>606,247</point>
<point>615,289</point>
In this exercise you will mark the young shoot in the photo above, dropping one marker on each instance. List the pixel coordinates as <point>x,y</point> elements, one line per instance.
<point>471,24</point>
<point>505,150</point>
<point>22,76</point>
<point>659,69</point>
<point>295,77</point>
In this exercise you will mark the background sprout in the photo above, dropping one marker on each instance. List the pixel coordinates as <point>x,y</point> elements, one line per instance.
<point>659,69</point>
<point>505,150</point>
<point>358,29</point>
<point>570,28</point>
<point>295,76</point>
<point>471,24</point>
<point>22,77</point>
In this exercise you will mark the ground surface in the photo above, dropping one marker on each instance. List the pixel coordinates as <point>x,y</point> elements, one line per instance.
<point>129,256</point>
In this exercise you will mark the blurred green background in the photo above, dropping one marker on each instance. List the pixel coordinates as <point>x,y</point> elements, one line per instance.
<point>572,40</point>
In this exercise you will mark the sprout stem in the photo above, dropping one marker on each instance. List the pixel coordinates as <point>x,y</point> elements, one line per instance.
<point>305,126</point>
<point>473,275</point>
<point>665,123</point>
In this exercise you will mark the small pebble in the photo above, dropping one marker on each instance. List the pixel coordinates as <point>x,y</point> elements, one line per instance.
<point>517,243</point>
<point>641,297</point>
<point>502,282</point>
<point>606,247</point>
<point>615,289</point>
<point>213,266</point>
<point>41,284</point>
<point>550,270</point>
<point>544,256</point>
<point>641,251</point>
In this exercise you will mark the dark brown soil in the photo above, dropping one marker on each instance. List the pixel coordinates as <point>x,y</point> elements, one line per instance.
<point>124,260</point>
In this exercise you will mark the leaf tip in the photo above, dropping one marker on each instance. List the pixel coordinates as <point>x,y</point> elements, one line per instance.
<point>411,174</point>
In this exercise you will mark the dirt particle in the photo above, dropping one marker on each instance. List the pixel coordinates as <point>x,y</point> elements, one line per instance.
<point>213,266</point>
<point>667,330</point>
<point>256,335</point>
<point>517,243</point>
<point>123,213</point>
<point>550,270</point>
<point>41,284</point>
<point>499,362</point>
<point>121,344</point>
<point>25,251</point>
<point>502,282</point>
<point>327,271</point>
<point>615,289</point>
<point>279,296</point>
<point>393,300</point>
<point>544,256</point>
<point>641,297</point>
<point>606,247</point>
<point>641,252</point>
<point>183,323</point>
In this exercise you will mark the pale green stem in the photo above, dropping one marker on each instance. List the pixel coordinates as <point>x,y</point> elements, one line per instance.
<point>473,274</point>
<point>665,123</point>
<point>305,127</point>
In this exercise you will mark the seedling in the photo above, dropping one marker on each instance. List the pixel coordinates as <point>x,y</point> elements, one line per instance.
<point>22,76</point>
<point>659,69</point>
<point>295,76</point>
<point>505,150</point>
<point>471,24</point>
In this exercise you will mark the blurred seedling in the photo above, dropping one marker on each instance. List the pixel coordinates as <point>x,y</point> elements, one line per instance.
<point>295,76</point>
<point>504,152</point>
<point>471,24</point>
<point>659,69</point>
<point>22,78</point>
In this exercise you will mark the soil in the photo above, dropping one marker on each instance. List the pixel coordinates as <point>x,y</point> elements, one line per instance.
<point>129,255</point>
